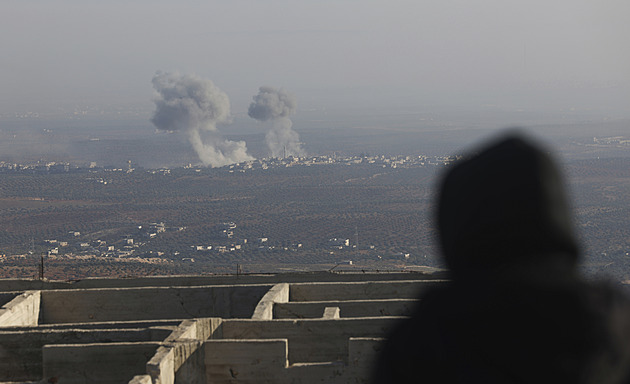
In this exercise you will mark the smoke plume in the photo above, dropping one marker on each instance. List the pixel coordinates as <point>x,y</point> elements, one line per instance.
<point>277,105</point>
<point>193,105</point>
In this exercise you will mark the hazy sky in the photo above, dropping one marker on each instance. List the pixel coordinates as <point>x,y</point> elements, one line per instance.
<point>352,52</point>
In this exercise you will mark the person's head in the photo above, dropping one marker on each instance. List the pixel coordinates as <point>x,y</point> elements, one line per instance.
<point>503,206</point>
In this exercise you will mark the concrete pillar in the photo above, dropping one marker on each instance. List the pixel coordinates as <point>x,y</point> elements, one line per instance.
<point>22,310</point>
<point>141,379</point>
<point>331,313</point>
<point>161,367</point>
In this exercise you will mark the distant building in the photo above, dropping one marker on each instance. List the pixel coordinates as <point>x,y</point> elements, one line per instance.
<point>338,243</point>
<point>157,227</point>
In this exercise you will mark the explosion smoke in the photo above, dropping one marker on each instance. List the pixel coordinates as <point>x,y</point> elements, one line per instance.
<point>194,105</point>
<point>277,105</point>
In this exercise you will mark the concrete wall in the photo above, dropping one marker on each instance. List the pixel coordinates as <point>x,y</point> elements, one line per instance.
<point>113,363</point>
<point>112,334</point>
<point>21,351</point>
<point>192,369</point>
<point>23,310</point>
<point>245,361</point>
<point>7,285</point>
<point>266,361</point>
<point>310,340</point>
<point>75,306</point>
<point>362,353</point>
<point>187,352</point>
<point>364,290</point>
<point>352,308</point>
<point>181,357</point>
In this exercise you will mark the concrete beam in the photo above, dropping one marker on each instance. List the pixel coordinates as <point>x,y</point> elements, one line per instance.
<point>279,293</point>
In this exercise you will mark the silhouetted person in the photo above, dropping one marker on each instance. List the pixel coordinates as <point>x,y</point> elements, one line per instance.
<point>516,310</point>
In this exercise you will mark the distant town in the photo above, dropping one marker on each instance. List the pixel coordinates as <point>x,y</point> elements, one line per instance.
<point>51,167</point>
<point>135,243</point>
<point>291,213</point>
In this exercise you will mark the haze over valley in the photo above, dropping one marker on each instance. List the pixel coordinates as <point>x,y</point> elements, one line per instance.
<point>156,137</point>
<point>124,199</point>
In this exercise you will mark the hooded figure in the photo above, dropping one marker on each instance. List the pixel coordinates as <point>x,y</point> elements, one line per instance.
<point>516,310</point>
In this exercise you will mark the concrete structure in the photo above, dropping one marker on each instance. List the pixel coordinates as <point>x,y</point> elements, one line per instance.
<point>286,328</point>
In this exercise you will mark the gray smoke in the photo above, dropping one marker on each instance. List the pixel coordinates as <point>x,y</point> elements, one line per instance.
<point>193,105</point>
<point>277,105</point>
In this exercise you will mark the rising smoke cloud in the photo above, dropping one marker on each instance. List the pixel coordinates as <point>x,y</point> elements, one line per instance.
<point>277,105</point>
<point>193,105</point>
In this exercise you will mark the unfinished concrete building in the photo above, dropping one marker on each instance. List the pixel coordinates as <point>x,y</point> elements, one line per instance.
<point>285,328</point>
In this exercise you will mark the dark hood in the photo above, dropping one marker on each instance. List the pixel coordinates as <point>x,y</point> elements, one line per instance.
<point>504,206</point>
